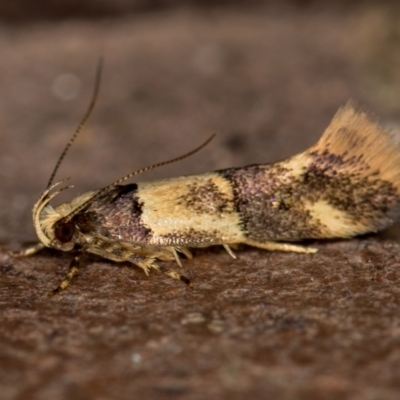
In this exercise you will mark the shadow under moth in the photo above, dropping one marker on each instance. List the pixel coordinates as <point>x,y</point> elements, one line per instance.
<point>345,185</point>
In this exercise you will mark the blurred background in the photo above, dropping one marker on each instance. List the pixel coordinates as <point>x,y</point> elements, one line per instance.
<point>266,76</point>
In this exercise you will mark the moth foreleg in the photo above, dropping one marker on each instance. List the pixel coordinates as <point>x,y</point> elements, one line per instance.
<point>72,271</point>
<point>277,246</point>
<point>29,250</point>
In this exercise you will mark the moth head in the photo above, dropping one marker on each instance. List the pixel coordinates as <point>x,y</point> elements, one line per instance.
<point>53,226</point>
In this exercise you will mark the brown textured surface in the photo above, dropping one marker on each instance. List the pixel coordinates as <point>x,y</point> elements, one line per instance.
<point>268,324</point>
<point>268,79</point>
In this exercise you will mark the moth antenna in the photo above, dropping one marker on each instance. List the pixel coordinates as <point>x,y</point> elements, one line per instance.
<point>139,171</point>
<point>160,164</point>
<point>83,121</point>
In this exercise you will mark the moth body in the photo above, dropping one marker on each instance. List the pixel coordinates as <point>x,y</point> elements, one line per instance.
<point>345,185</point>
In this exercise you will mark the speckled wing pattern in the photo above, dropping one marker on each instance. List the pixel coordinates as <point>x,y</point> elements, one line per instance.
<point>347,184</point>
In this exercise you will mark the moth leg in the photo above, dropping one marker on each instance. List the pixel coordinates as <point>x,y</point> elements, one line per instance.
<point>229,251</point>
<point>141,257</point>
<point>276,246</point>
<point>177,276</point>
<point>185,251</point>
<point>176,255</point>
<point>72,271</point>
<point>147,263</point>
<point>29,250</point>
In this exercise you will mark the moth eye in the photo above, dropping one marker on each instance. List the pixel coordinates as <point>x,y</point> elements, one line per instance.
<point>63,231</point>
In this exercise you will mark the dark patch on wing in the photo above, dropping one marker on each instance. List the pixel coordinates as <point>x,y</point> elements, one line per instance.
<point>363,197</point>
<point>269,204</point>
<point>271,200</point>
<point>117,215</point>
<point>205,198</point>
<point>124,190</point>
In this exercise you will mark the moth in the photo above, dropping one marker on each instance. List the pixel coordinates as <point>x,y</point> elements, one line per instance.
<point>347,184</point>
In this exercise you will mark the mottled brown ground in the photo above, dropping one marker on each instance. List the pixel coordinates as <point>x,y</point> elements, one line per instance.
<point>267,79</point>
